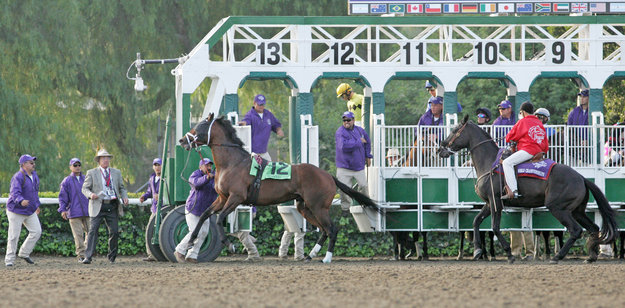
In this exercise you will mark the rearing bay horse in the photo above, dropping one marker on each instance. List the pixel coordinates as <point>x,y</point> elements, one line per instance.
<point>564,193</point>
<point>312,188</point>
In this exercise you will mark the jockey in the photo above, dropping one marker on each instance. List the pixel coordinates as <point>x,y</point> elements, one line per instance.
<point>355,102</point>
<point>531,138</point>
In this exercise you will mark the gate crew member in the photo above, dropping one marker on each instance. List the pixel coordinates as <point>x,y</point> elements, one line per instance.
<point>152,192</point>
<point>74,206</point>
<point>104,187</point>
<point>355,102</point>
<point>262,122</point>
<point>353,151</point>
<point>531,139</point>
<point>22,209</point>
<point>202,195</point>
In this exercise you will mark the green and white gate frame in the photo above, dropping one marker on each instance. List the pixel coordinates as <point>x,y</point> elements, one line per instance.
<point>375,50</point>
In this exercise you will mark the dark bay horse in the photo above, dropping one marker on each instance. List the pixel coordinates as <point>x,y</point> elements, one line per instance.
<point>565,194</point>
<point>312,188</point>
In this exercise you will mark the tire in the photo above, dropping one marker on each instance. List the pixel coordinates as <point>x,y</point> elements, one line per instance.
<point>155,249</point>
<point>174,228</point>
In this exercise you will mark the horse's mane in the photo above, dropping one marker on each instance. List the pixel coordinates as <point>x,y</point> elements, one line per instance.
<point>229,131</point>
<point>487,135</point>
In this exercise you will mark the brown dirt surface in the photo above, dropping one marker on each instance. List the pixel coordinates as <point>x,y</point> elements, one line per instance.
<point>347,282</point>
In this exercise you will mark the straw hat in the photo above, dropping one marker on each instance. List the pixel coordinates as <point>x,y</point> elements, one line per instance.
<point>102,153</point>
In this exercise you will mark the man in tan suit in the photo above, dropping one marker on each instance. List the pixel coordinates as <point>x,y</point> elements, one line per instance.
<point>104,187</point>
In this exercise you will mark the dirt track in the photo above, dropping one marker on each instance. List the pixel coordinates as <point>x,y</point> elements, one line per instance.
<point>347,282</point>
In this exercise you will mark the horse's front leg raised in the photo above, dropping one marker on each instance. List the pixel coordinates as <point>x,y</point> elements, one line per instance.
<point>477,241</point>
<point>216,206</point>
<point>231,204</point>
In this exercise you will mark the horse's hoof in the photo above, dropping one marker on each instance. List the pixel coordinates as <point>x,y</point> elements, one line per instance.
<point>511,259</point>
<point>459,258</point>
<point>553,261</point>
<point>477,254</point>
<point>493,258</point>
<point>307,259</point>
<point>590,260</point>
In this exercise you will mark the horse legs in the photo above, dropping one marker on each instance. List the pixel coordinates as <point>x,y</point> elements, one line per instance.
<point>477,221</point>
<point>425,255</point>
<point>461,248</point>
<point>496,222</point>
<point>396,248</point>
<point>491,235</point>
<point>593,239</point>
<point>566,219</point>
<point>216,206</point>
<point>310,217</point>
<point>621,245</point>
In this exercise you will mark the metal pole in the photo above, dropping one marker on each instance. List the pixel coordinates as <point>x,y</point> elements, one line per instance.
<point>161,188</point>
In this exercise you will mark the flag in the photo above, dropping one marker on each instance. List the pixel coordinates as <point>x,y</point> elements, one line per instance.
<point>542,8</point>
<point>505,8</point>
<point>397,8</point>
<point>359,8</point>
<point>415,8</point>
<point>488,8</point>
<point>433,8</point>
<point>469,8</point>
<point>617,7</point>
<point>524,8</point>
<point>579,7</point>
<point>378,8</point>
<point>560,7</point>
<point>451,8</point>
<point>597,7</point>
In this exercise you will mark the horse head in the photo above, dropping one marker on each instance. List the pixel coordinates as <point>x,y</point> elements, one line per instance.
<point>456,140</point>
<point>198,135</point>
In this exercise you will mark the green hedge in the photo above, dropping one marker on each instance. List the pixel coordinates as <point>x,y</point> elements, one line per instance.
<point>57,238</point>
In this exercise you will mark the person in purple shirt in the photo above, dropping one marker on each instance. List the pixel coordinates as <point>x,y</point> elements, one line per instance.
<point>202,195</point>
<point>74,206</point>
<point>353,152</point>
<point>22,209</point>
<point>506,117</point>
<point>434,116</point>
<point>263,122</point>
<point>579,114</point>
<point>152,192</point>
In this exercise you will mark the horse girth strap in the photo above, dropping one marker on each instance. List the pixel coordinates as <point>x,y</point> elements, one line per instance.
<point>232,145</point>
<point>254,190</point>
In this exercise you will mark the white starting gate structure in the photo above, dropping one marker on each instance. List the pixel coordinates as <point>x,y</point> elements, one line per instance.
<point>443,50</point>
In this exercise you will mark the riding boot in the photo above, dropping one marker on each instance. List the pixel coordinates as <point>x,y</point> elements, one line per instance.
<point>510,194</point>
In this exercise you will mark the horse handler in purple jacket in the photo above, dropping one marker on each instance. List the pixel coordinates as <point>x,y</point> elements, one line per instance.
<point>74,206</point>
<point>23,208</point>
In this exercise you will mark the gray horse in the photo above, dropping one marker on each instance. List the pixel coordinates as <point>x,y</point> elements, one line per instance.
<point>565,194</point>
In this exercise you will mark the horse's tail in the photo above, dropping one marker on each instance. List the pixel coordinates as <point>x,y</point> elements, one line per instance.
<point>609,226</point>
<point>359,197</point>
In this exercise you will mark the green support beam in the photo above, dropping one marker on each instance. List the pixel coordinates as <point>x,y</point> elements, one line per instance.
<point>450,102</point>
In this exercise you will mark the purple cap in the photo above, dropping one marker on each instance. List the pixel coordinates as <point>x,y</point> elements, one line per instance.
<point>583,93</point>
<point>205,161</point>
<point>157,161</point>
<point>436,100</point>
<point>348,114</point>
<point>26,157</point>
<point>260,99</point>
<point>505,104</point>
<point>74,160</point>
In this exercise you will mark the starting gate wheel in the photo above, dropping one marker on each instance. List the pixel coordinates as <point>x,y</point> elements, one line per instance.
<point>155,249</point>
<point>174,228</point>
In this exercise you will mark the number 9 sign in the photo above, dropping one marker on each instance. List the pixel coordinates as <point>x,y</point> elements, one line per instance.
<point>558,52</point>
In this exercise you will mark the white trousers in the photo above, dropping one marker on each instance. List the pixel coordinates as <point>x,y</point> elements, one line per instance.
<point>346,176</point>
<point>31,222</point>
<point>265,155</point>
<point>286,241</point>
<point>508,167</point>
<point>183,247</point>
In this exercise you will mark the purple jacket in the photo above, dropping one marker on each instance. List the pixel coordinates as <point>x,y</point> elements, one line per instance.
<point>428,119</point>
<point>153,188</point>
<point>350,151</point>
<point>504,121</point>
<point>23,188</point>
<point>202,193</point>
<point>578,116</point>
<point>261,128</point>
<point>71,198</point>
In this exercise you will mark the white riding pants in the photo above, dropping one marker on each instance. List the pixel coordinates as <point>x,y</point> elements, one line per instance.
<point>508,167</point>
<point>31,222</point>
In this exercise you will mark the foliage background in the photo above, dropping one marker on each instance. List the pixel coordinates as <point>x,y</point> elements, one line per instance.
<point>63,94</point>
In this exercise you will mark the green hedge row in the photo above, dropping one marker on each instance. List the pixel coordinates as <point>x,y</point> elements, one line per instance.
<point>57,238</point>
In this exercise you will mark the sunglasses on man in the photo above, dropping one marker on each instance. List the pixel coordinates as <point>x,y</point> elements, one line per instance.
<point>76,165</point>
<point>347,120</point>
